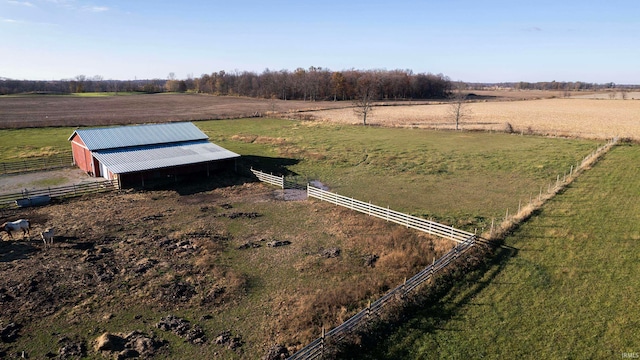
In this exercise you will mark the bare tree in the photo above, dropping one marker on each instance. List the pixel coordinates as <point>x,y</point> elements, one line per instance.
<point>457,104</point>
<point>363,103</point>
<point>623,95</point>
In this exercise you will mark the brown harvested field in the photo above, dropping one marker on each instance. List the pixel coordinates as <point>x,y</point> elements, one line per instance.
<point>67,110</point>
<point>585,118</point>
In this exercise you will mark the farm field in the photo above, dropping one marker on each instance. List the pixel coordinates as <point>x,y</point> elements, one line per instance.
<point>18,111</point>
<point>198,270</point>
<point>565,285</point>
<point>583,118</point>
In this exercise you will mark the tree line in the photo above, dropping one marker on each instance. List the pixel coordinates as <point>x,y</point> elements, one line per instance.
<point>312,84</point>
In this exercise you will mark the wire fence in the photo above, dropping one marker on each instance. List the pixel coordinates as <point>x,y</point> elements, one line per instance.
<point>39,196</point>
<point>36,164</point>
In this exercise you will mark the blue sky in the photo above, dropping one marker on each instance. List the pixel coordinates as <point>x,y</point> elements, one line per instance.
<point>475,41</point>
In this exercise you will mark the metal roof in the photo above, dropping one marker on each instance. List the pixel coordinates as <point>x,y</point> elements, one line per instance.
<point>141,158</point>
<point>139,135</point>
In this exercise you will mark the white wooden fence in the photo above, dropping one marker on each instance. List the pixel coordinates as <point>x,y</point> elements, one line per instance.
<point>316,349</point>
<point>12,199</point>
<point>397,217</point>
<point>269,178</point>
<point>465,240</point>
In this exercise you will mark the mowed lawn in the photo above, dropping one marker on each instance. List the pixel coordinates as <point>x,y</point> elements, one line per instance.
<point>566,286</point>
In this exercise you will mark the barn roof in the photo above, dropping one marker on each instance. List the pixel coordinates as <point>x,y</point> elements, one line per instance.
<point>138,135</point>
<point>141,158</point>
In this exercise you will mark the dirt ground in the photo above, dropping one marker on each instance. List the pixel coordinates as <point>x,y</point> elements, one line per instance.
<point>121,261</point>
<point>11,183</point>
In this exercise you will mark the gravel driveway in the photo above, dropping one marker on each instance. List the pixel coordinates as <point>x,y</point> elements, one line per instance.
<point>43,179</point>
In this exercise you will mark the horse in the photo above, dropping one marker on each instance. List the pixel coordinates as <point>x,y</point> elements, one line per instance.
<point>47,236</point>
<point>21,224</point>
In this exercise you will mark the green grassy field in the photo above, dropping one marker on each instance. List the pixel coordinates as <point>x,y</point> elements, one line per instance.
<point>464,179</point>
<point>564,287</point>
<point>460,178</point>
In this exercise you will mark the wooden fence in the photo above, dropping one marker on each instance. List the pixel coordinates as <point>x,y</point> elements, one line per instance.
<point>43,163</point>
<point>10,200</point>
<point>465,240</point>
<point>316,349</point>
<point>397,217</point>
<point>269,178</point>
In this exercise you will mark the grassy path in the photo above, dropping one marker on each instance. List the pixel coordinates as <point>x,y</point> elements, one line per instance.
<point>566,285</point>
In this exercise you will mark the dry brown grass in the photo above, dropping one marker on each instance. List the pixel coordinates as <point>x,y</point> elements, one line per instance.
<point>584,118</point>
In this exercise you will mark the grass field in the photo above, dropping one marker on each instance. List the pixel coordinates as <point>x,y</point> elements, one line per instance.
<point>584,118</point>
<point>463,179</point>
<point>564,287</point>
<point>460,178</point>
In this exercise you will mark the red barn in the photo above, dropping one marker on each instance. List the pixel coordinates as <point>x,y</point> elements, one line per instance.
<point>133,154</point>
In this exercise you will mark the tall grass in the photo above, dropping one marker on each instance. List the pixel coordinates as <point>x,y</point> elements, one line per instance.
<point>565,285</point>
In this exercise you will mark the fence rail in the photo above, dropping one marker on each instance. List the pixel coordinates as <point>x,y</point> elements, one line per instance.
<point>43,163</point>
<point>269,178</point>
<point>8,200</point>
<point>465,240</point>
<point>397,217</point>
<point>316,348</point>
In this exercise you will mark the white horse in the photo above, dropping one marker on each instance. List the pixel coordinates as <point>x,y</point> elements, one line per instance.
<point>21,224</point>
<point>47,236</point>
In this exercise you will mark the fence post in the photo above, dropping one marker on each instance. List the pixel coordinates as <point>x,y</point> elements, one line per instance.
<point>491,231</point>
<point>368,310</point>
<point>322,342</point>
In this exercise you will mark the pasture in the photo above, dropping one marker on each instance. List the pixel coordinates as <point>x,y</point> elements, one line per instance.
<point>565,285</point>
<point>464,179</point>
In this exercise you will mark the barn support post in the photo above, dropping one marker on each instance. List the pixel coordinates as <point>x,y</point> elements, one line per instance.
<point>207,169</point>
<point>142,177</point>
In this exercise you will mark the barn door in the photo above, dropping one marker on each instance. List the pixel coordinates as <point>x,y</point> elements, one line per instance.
<point>104,172</point>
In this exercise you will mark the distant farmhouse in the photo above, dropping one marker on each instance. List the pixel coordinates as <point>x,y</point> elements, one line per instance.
<point>134,154</point>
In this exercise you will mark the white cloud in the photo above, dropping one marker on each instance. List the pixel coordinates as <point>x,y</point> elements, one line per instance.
<point>95,8</point>
<point>21,3</point>
<point>11,21</point>
<point>77,5</point>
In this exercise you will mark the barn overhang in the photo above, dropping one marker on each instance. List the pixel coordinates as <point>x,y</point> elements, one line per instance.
<point>144,158</point>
